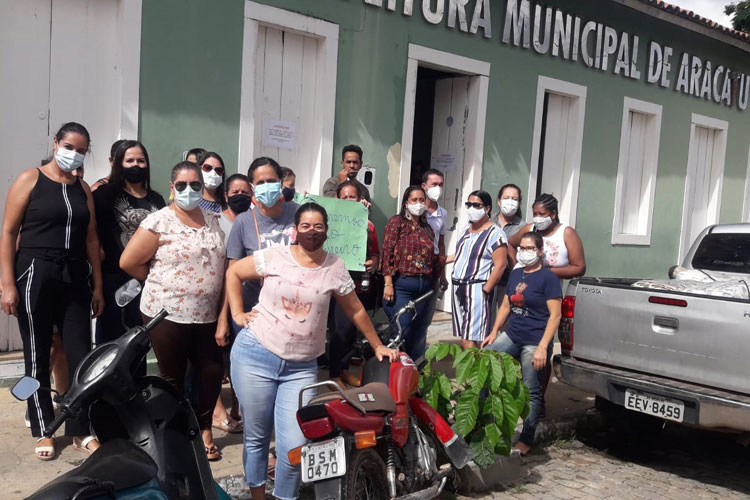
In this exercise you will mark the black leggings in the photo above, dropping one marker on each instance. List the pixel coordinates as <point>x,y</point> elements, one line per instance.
<point>176,343</point>
<point>52,292</point>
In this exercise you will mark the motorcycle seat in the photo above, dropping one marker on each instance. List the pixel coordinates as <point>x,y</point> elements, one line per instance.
<point>374,397</point>
<point>118,461</point>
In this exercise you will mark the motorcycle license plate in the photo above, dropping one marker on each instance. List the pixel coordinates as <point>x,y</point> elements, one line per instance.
<point>323,460</point>
<point>658,406</point>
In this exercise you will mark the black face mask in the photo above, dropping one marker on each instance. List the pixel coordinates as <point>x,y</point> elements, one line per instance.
<point>135,175</point>
<point>239,203</point>
<point>288,193</point>
<point>311,240</point>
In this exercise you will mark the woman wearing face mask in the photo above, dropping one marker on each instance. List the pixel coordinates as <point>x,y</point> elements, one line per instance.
<point>480,260</point>
<point>121,205</point>
<point>213,170</point>
<point>238,197</point>
<point>179,252</point>
<point>274,355</point>
<point>288,183</point>
<point>410,267</point>
<point>46,272</point>
<point>563,250</point>
<point>509,216</point>
<point>532,308</point>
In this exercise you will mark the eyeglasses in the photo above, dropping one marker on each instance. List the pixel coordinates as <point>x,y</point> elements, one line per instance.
<point>474,205</point>
<point>532,249</point>
<point>181,185</point>
<point>207,168</point>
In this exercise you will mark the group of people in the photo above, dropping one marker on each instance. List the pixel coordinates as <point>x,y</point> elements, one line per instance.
<point>240,266</point>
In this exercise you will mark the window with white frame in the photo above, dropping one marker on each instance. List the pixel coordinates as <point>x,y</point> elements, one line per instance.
<point>636,173</point>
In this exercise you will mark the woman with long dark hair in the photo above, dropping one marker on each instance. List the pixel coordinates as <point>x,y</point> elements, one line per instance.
<point>121,205</point>
<point>410,267</point>
<point>213,171</point>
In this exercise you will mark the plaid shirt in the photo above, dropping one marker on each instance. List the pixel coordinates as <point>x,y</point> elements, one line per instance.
<point>408,248</point>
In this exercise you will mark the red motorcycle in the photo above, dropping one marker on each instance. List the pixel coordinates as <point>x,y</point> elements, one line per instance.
<point>380,440</point>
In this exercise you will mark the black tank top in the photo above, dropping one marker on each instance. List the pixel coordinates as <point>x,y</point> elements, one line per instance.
<point>56,217</point>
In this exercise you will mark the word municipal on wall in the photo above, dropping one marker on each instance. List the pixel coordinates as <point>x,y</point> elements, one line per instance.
<point>552,31</point>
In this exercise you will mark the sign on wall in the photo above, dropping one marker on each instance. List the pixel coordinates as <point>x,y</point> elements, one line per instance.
<point>552,31</point>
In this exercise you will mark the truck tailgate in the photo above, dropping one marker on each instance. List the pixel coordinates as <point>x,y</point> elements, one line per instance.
<point>704,340</point>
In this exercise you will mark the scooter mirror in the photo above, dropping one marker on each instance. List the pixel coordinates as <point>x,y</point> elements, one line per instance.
<point>24,388</point>
<point>127,292</point>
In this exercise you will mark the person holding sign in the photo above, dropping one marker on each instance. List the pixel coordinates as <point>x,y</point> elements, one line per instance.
<point>345,333</point>
<point>274,355</point>
<point>410,266</point>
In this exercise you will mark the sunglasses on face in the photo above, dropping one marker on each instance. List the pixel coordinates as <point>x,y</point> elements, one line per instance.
<point>181,185</point>
<point>207,168</point>
<point>474,205</point>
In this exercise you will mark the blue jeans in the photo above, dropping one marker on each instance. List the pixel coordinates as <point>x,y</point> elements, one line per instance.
<point>532,378</point>
<point>407,288</point>
<point>267,388</point>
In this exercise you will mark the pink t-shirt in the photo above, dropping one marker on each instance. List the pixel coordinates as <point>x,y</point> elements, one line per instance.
<point>294,301</point>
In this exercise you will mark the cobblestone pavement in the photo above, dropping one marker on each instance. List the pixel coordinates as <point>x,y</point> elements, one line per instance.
<point>678,464</point>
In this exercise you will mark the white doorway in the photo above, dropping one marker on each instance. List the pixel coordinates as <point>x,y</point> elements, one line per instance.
<point>61,61</point>
<point>703,183</point>
<point>557,145</point>
<point>455,132</point>
<point>288,92</point>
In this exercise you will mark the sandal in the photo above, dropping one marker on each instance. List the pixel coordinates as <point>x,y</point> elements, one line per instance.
<point>229,425</point>
<point>50,452</point>
<point>82,445</point>
<point>212,452</point>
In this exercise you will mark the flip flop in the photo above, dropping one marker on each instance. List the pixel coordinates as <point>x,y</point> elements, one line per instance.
<point>45,449</point>
<point>83,445</point>
<point>212,452</point>
<point>229,425</point>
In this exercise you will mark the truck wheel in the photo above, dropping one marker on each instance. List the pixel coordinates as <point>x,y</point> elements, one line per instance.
<point>629,422</point>
<point>365,477</point>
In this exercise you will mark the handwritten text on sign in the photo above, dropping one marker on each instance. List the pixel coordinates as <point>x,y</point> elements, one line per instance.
<point>347,229</point>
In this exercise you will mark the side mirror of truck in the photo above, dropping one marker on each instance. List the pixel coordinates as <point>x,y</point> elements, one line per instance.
<point>670,273</point>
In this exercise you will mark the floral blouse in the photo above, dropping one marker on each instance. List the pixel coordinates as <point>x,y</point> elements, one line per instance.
<point>187,271</point>
<point>408,248</point>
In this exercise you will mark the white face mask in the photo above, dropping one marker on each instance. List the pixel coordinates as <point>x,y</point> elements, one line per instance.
<point>434,193</point>
<point>509,206</point>
<point>68,160</point>
<point>542,223</point>
<point>475,214</point>
<point>527,257</point>
<point>416,209</point>
<point>211,179</point>
<point>187,199</point>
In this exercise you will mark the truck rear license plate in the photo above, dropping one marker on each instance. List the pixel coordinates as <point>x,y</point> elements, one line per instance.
<point>670,409</point>
<point>323,460</point>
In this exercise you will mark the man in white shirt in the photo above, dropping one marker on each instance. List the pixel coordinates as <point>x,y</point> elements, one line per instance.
<point>437,216</point>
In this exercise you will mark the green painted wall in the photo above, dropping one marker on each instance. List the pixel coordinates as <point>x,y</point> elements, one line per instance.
<point>190,95</point>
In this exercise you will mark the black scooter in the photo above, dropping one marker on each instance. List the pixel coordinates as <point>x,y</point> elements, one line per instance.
<point>151,442</point>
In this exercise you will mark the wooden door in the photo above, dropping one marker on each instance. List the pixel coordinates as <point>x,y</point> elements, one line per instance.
<point>703,183</point>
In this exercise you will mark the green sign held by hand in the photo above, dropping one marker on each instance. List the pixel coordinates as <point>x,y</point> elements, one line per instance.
<point>347,228</point>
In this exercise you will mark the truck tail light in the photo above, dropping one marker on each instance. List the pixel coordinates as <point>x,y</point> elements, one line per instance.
<point>565,330</point>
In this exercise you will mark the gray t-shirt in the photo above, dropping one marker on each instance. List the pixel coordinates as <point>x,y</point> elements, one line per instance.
<point>243,241</point>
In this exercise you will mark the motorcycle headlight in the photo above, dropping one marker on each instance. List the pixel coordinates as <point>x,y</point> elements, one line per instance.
<point>99,365</point>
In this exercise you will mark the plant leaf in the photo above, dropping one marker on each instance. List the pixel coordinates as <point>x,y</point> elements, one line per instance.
<point>524,403</point>
<point>493,434</point>
<point>454,351</point>
<point>445,385</point>
<point>511,375</point>
<point>503,446</point>
<point>484,455</point>
<point>433,394</point>
<point>479,373</point>
<point>429,355</point>
<point>467,409</point>
<point>442,351</point>
<point>463,364</point>
<point>511,414</point>
<point>496,373</point>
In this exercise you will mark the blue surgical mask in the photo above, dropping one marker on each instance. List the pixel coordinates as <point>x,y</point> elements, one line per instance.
<point>268,193</point>
<point>187,199</point>
<point>68,160</point>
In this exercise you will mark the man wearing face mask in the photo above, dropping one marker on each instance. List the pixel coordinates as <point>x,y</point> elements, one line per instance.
<point>269,223</point>
<point>351,164</point>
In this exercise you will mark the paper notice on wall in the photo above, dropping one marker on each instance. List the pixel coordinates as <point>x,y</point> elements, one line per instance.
<point>278,134</point>
<point>445,162</point>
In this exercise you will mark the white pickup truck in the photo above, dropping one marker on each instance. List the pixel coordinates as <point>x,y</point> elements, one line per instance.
<point>682,356</point>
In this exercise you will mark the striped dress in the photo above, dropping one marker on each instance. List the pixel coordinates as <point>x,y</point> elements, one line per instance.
<point>473,311</point>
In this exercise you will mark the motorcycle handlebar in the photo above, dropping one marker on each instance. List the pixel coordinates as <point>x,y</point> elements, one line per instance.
<point>159,316</point>
<point>410,306</point>
<point>56,423</point>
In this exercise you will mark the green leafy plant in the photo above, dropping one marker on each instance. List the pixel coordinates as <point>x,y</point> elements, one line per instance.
<point>484,401</point>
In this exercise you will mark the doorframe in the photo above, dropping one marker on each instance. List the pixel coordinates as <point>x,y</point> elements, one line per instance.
<point>131,12</point>
<point>714,204</point>
<point>478,91</point>
<point>576,121</point>
<point>325,103</point>
<point>746,202</point>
